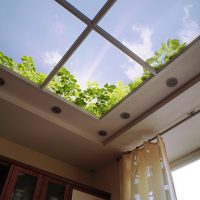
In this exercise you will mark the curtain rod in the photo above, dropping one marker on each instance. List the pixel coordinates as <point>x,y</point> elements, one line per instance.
<point>190,115</point>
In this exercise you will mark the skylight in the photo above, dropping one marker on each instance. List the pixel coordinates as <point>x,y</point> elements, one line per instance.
<point>88,7</point>
<point>40,29</point>
<point>94,63</point>
<point>145,25</point>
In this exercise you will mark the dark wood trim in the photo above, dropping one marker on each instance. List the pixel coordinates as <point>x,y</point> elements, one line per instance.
<point>74,184</point>
<point>16,171</point>
<point>44,189</point>
<point>7,182</point>
<point>4,163</point>
<point>70,192</point>
<point>67,192</point>
<point>46,181</point>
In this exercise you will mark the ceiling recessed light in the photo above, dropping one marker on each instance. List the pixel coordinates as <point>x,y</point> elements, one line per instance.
<point>56,110</point>
<point>2,82</point>
<point>102,133</point>
<point>171,82</point>
<point>125,115</point>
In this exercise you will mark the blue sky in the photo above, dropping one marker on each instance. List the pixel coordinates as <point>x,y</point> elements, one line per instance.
<point>45,30</point>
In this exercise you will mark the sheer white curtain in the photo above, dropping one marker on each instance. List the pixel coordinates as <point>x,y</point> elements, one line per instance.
<point>145,174</point>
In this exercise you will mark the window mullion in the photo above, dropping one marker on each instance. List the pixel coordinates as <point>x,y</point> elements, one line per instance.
<point>81,38</point>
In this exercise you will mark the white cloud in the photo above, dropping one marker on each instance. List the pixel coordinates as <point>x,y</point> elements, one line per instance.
<point>90,68</point>
<point>58,27</point>
<point>51,57</point>
<point>131,69</point>
<point>133,72</point>
<point>191,28</point>
<point>142,48</point>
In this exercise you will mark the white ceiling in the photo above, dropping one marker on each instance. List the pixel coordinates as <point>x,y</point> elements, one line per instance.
<point>26,128</point>
<point>184,139</point>
<point>26,117</point>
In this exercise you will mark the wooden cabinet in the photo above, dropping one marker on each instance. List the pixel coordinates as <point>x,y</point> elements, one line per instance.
<point>53,189</point>
<point>5,172</point>
<point>25,184</point>
<point>22,182</point>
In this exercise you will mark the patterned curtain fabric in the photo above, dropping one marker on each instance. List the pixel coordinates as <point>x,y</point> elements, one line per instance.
<point>145,174</point>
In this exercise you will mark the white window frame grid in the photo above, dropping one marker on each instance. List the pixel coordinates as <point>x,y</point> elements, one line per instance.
<point>92,25</point>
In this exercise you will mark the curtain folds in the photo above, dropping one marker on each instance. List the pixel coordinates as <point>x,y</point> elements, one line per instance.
<point>145,174</point>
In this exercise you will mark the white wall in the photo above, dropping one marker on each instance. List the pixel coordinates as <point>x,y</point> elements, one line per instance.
<point>77,195</point>
<point>107,179</point>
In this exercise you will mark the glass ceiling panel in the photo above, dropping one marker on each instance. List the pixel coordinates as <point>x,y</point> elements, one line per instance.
<point>97,76</point>
<point>144,25</point>
<point>88,7</point>
<point>40,29</point>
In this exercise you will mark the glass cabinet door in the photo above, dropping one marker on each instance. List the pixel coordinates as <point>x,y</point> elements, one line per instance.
<point>23,185</point>
<point>5,171</point>
<point>54,190</point>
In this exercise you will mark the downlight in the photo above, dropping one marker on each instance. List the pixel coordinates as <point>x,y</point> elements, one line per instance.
<point>172,82</point>
<point>102,133</point>
<point>2,81</point>
<point>125,115</point>
<point>56,110</point>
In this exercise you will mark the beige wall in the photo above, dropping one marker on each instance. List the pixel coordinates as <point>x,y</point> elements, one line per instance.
<point>41,161</point>
<point>107,179</point>
<point>77,195</point>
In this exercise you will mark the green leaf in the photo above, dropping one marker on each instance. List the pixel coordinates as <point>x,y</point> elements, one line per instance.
<point>95,99</point>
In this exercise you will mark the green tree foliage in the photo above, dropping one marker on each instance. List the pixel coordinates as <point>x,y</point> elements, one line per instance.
<point>95,99</point>
<point>166,53</point>
<point>26,68</point>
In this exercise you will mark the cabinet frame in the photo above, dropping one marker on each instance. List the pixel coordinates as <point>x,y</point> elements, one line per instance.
<point>6,182</point>
<point>47,180</point>
<point>13,179</point>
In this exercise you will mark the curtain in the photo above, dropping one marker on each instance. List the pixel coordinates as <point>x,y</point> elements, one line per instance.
<point>145,174</point>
